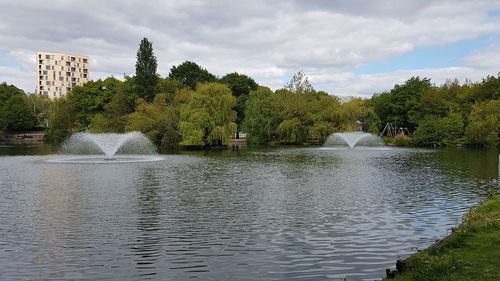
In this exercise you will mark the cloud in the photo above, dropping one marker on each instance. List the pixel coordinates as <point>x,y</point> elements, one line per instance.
<point>268,40</point>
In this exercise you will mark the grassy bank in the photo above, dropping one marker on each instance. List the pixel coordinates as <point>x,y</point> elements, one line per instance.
<point>471,252</point>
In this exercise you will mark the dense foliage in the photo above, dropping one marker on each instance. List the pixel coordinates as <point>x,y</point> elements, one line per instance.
<point>193,107</point>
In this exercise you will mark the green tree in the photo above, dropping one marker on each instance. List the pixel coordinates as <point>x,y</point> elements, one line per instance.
<point>484,124</point>
<point>158,120</point>
<point>17,114</point>
<point>169,87</point>
<point>90,99</point>
<point>190,74</point>
<point>40,105</point>
<point>261,117</point>
<point>445,131</point>
<point>8,91</point>
<point>402,99</point>
<point>61,119</point>
<point>145,71</point>
<point>114,117</point>
<point>291,131</point>
<point>208,118</point>
<point>240,86</point>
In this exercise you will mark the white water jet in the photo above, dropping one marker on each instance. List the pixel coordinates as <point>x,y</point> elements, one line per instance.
<point>353,139</point>
<point>108,144</point>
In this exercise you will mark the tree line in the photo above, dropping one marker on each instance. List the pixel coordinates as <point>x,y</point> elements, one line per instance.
<point>193,107</point>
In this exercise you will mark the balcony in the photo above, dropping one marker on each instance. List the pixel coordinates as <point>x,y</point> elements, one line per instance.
<point>68,63</point>
<point>73,69</point>
<point>85,60</point>
<point>85,70</point>
<point>68,73</point>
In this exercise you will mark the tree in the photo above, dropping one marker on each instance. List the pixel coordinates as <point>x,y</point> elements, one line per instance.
<point>299,84</point>
<point>169,87</point>
<point>445,131</point>
<point>190,74</point>
<point>261,118</point>
<point>291,131</point>
<point>484,124</point>
<point>208,118</point>
<point>157,120</point>
<point>145,71</point>
<point>114,117</point>
<point>402,99</point>
<point>40,105</point>
<point>90,99</point>
<point>7,91</point>
<point>17,114</point>
<point>240,86</point>
<point>61,120</point>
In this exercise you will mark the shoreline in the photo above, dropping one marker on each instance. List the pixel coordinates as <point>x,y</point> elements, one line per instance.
<point>470,252</point>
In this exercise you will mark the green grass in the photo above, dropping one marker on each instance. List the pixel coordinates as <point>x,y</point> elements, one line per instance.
<point>471,252</point>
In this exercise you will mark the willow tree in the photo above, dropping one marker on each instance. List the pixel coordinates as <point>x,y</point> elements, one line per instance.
<point>145,70</point>
<point>208,118</point>
<point>158,120</point>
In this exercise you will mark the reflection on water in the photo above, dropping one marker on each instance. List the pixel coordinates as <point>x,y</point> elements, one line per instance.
<point>256,214</point>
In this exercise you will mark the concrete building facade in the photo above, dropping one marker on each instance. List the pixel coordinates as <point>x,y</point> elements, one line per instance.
<point>58,73</point>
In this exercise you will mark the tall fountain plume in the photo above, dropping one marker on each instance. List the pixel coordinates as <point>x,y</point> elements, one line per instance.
<point>353,139</point>
<point>108,144</point>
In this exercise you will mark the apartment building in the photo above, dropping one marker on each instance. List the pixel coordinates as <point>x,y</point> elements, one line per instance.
<point>58,73</point>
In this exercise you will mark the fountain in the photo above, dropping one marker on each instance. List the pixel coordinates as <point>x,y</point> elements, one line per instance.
<point>353,139</point>
<point>128,147</point>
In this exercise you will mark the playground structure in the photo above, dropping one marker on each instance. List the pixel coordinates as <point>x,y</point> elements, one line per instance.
<point>393,130</point>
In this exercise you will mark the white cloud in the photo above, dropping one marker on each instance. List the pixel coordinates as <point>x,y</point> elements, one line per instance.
<point>351,84</point>
<point>267,40</point>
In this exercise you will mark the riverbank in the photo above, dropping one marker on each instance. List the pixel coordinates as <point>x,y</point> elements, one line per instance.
<point>471,252</point>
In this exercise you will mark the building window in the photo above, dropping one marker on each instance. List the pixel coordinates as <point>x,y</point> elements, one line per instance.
<point>47,57</point>
<point>61,78</point>
<point>45,72</point>
<point>46,93</point>
<point>68,63</point>
<point>41,77</point>
<point>41,88</point>
<point>84,75</point>
<point>40,61</point>
<point>85,60</point>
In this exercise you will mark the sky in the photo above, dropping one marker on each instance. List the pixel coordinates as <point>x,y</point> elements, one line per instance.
<point>347,48</point>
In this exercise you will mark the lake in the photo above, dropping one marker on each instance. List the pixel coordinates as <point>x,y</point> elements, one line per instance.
<point>260,213</point>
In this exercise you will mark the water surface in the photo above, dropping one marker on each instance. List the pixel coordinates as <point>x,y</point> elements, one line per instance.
<point>253,214</point>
